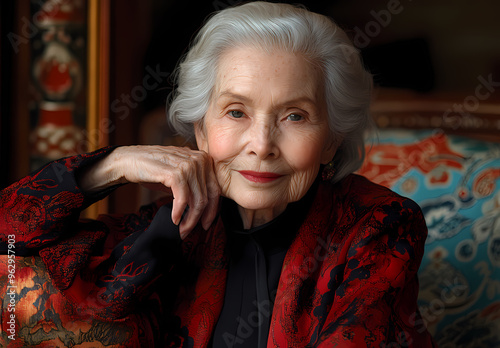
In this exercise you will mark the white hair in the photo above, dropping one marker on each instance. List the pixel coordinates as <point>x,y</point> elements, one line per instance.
<point>269,26</point>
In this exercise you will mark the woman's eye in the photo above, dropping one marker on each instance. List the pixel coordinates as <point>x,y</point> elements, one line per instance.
<point>294,117</point>
<point>236,113</point>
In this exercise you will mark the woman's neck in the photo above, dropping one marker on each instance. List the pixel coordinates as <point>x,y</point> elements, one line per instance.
<point>254,218</point>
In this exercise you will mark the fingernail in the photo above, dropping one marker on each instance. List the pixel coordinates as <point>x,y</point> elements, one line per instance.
<point>205,223</point>
<point>175,221</point>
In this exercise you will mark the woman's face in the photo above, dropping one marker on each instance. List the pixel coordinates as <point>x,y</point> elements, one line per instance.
<point>266,128</point>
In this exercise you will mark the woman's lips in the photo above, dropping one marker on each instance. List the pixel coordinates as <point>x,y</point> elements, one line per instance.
<point>260,177</point>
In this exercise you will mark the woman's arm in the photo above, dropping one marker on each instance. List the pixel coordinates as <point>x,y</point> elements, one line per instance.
<point>41,211</point>
<point>40,206</point>
<point>186,173</point>
<point>375,305</point>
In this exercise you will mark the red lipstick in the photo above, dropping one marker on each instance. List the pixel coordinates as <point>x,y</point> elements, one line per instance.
<point>260,177</point>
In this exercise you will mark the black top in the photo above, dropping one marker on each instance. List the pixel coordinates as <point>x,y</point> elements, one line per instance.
<point>256,258</point>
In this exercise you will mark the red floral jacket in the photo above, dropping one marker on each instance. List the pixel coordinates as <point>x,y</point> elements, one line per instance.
<point>349,278</point>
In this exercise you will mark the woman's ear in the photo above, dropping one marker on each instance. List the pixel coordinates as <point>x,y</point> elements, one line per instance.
<point>200,135</point>
<point>331,148</point>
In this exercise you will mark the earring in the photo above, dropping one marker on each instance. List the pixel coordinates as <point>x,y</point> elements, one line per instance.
<point>328,171</point>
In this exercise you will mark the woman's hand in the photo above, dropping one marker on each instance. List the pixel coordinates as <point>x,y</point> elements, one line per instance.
<point>186,173</point>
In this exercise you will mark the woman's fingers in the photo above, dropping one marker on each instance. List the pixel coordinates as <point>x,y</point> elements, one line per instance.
<point>213,195</point>
<point>197,204</point>
<point>187,174</point>
<point>195,190</point>
<point>205,195</point>
<point>180,191</point>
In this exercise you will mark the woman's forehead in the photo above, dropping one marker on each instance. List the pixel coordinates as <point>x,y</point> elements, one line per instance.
<point>247,70</point>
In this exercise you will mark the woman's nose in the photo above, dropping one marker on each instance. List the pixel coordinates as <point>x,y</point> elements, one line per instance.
<point>262,140</point>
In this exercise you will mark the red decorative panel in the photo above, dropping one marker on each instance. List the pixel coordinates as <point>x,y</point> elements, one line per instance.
<point>58,76</point>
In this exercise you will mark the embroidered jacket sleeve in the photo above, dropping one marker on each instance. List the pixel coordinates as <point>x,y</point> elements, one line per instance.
<point>376,292</point>
<point>40,208</point>
<point>41,214</point>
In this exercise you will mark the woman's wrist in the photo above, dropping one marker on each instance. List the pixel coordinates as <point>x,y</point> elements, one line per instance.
<point>101,174</point>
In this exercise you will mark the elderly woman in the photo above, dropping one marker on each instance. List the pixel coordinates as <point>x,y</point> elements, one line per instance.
<point>268,238</point>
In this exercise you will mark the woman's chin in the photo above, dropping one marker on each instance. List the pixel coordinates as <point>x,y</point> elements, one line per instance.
<point>261,202</point>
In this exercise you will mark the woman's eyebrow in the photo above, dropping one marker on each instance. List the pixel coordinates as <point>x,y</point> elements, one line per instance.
<point>232,95</point>
<point>293,101</point>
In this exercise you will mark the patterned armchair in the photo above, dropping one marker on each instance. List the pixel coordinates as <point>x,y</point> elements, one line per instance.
<point>450,165</point>
<point>36,314</point>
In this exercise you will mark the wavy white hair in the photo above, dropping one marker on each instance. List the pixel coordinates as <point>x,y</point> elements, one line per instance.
<point>271,26</point>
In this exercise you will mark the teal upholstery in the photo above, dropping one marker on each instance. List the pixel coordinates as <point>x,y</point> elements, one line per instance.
<point>456,182</point>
